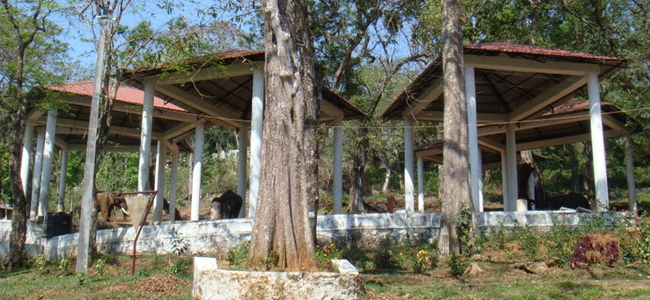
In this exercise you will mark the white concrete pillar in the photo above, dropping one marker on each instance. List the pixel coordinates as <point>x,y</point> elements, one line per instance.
<point>597,143</point>
<point>36,176</point>
<point>629,165</point>
<point>504,181</point>
<point>474,163</point>
<point>511,154</point>
<point>60,204</point>
<point>48,154</point>
<point>420,183</point>
<point>145,136</point>
<point>27,155</point>
<point>409,199</point>
<point>257,118</point>
<point>196,174</point>
<point>338,164</point>
<point>161,159</point>
<point>242,156</point>
<point>479,208</point>
<point>173,184</point>
<point>531,188</point>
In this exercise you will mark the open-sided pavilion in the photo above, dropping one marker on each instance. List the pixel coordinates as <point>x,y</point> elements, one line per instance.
<point>67,127</point>
<point>508,86</point>
<point>567,123</point>
<point>227,89</point>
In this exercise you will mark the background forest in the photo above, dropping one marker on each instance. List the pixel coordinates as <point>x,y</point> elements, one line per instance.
<point>368,51</point>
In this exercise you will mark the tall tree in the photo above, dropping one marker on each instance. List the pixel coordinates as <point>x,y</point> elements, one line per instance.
<point>25,51</point>
<point>292,103</point>
<point>456,144</point>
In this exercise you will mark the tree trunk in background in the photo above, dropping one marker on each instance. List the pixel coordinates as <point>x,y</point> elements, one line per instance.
<point>356,204</point>
<point>525,167</point>
<point>455,157</point>
<point>575,172</point>
<point>588,182</point>
<point>387,175</point>
<point>291,106</point>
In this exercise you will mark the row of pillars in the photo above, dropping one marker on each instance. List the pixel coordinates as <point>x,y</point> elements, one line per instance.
<point>509,156</point>
<point>42,171</point>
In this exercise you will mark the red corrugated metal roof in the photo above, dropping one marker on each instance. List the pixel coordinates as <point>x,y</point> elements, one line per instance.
<point>124,94</point>
<point>526,49</point>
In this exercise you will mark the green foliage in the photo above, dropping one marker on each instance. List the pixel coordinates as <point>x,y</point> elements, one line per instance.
<point>642,241</point>
<point>100,267</point>
<point>238,255</point>
<point>178,265</point>
<point>457,264</point>
<point>179,244</point>
<point>40,263</point>
<point>326,253</point>
<point>385,258</point>
<point>464,228</point>
<point>530,243</point>
<point>271,261</point>
<point>64,265</point>
<point>425,260</point>
<point>560,241</point>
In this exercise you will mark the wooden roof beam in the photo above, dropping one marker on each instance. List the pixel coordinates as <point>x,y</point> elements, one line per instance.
<point>199,104</point>
<point>175,77</point>
<point>547,98</point>
<point>564,140</point>
<point>508,64</point>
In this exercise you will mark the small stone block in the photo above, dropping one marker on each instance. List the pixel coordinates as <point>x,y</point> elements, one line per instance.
<point>344,266</point>
<point>205,263</point>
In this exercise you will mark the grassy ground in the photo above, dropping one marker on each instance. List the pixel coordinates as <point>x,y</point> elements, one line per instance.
<point>499,281</point>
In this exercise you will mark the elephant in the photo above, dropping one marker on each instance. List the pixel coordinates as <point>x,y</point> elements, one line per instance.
<point>177,214</point>
<point>107,202</point>
<point>570,200</point>
<point>227,206</point>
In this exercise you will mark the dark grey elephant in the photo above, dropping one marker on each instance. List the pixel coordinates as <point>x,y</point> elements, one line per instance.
<point>227,206</point>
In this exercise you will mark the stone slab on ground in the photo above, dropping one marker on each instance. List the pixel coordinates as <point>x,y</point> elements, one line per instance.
<point>212,283</point>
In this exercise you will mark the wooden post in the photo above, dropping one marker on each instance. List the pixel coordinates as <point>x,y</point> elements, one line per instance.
<point>257,118</point>
<point>511,153</point>
<point>60,204</point>
<point>145,136</point>
<point>242,156</point>
<point>338,164</point>
<point>196,174</point>
<point>36,176</point>
<point>173,184</point>
<point>409,199</point>
<point>48,153</point>
<point>420,183</point>
<point>504,180</point>
<point>597,143</point>
<point>161,159</point>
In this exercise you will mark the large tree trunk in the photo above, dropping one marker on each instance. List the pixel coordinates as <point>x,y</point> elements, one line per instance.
<point>455,161</point>
<point>292,103</point>
<point>17,257</point>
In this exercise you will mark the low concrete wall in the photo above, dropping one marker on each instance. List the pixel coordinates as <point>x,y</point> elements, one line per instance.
<point>219,236</point>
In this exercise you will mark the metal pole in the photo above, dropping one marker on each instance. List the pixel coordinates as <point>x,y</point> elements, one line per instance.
<point>83,247</point>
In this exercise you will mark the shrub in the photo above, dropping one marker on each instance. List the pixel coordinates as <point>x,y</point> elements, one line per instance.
<point>594,250</point>
<point>560,243</point>
<point>424,260</point>
<point>40,263</point>
<point>643,241</point>
<point>529,243</point>
<point>238,255</point>
<point>457,265</point>
<point>326,253</point>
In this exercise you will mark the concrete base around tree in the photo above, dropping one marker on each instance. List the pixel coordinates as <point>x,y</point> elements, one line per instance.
<point>219,236</point>
<point>212,283</point>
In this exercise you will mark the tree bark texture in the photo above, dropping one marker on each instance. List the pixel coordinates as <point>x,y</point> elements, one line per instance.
<point>356,203</point>
<point>292,103</point>
<point>455,159</point>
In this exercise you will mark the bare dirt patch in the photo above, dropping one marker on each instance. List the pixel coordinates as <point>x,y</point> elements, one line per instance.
<point>160,285</point>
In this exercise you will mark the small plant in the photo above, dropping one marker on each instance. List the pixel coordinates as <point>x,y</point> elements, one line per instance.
<point>100,267</point>
<point>237,256</point>
<point>643,241</point>
<point>594,250</point>
<point>40,263</point>
<point>464,228</point>
<point>179,244</point>
<point>529,243</point>
<point>82,278</point>
<point>177,266</point>
<point>457,265</point>
<point>424,261</point>
<point>560,242</point>
<point>271,260</point>
<point>326,253</point>
<point>64,265</point>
